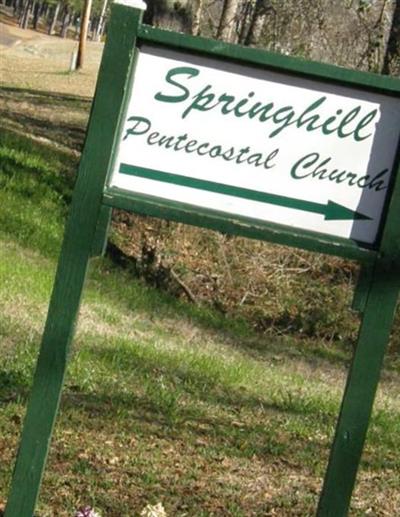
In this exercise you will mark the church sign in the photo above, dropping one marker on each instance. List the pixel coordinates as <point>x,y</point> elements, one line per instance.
<point>245,142</point>
<point>258,143</point>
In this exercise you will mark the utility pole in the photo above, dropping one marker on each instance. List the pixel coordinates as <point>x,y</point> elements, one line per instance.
<point>83,33</point>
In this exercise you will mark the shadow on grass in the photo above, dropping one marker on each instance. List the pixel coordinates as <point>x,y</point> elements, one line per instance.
<point>22,109</point>
<point>262,433</point>
<point>19,167</point>
<point>179,400</point>
<point>146,390</point>
<point>42,97</point>
<point>58,131</point>
<point>14,386</point>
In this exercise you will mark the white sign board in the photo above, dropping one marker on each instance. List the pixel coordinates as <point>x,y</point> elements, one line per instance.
<point>260,144</point>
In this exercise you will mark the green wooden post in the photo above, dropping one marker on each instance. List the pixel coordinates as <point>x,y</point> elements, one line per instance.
<point>77,246</point>
<point>363,378</point>
<point>359,394</point>
<point>101,234</point>
<point>362,288</point>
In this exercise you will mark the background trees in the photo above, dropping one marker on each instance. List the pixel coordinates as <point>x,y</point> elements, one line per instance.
<point>59,17</point>
<point>391,62</point>
<point>361,34</point>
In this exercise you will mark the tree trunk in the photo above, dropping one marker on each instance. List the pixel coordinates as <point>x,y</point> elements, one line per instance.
<point>83,33</point>
<point>65,22</point>
<point>148,16</point>
<point>22,13</point>
<point>36,15</point>
<point>24,18</point>
<point>391,62</point>
<point>54,17</point>
<point>44,10</point>
<point>28,14</point>
<point>196,19</point>
<point>226,27</point>
<point>76,22</point>
<point>18,7</point>
<point>102,19</point>
<point>95,27</point>
<point>246,13</point>
<point>92,26</point>
<point>257,21</point>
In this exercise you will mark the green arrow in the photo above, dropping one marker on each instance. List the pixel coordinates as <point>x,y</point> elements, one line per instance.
<point>331,210</point>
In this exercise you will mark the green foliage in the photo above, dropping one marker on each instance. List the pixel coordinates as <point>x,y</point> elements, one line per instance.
<point>35,189</point>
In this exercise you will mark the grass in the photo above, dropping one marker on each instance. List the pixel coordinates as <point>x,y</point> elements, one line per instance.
<point>38,197</point>
<point>165,401</point>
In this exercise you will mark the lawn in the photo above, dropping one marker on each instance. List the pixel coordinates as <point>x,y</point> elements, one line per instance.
<point>167,401</point>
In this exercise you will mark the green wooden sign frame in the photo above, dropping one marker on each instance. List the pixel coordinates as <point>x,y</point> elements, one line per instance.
<point>86,232</point>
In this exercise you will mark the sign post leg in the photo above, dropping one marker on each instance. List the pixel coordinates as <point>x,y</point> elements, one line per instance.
<point>362,288</point>
<point>79,243</point>
<point>360,392</point>
<point>101,235</point>
<point>48,380</point>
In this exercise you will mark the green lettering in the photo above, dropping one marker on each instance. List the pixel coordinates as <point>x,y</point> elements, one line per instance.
<point>166,141</point>
<point>260,110</point>
<point>362,124</point>
<point>226,100</point>
<point>286,119</point>
<point>349,117</point>
<point>256,159</point>
<point>338,177</point>
<point>301,121</point>
<point>330,120</point>
<point>379,185</point>
<point>242,103</point>
<point>181,70</point>
<point>352,179</point>
<point>152,138</point>
<point>190,147</point>
<point>321,173</point>
<point>229,154</point>
<point>180,140</point>
<point>201,102</point>
<point>305,162</point>
<point>135,129</point>
<point>215,151</point>
<point>242,152</point>
<point>363,181</point>
<point>203,146</point>
<point>270,157</point>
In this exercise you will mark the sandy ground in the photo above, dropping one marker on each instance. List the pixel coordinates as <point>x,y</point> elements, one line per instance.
<point>35,61</point>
